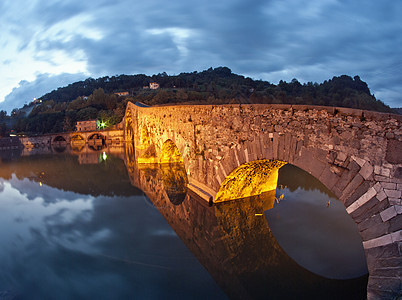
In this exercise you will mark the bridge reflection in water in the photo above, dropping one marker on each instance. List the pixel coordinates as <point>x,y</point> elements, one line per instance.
<point>232,239</point>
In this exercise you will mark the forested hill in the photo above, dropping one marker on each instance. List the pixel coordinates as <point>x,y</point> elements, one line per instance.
<point>91,99</point>
<point>220,85</point>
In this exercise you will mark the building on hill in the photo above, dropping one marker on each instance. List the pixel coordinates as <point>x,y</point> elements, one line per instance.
<point>86,125</point>
<point>122,94</point>
<point>154,85</point>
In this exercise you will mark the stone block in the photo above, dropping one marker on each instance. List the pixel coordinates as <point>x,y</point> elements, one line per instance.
<point>340,157</point>
<point>395,224</point>
<point>299,147</point>
<point>377,187</point>
<point>320,154</point>
<point>387,272</point>
<point>381,195</point>
<point>348,175</point>
<point>349,111</point>
<point>338,192</point>
<point>384,252</point>
<point>366,171</point>
<point>378,116</point>
<point>287,147</point>
<point>380,283</point>
<point>393,193</point>
<point>370,222</point>
<point>328,178</point>
<point>394,152</point>
<point>388,214</point>
<point>275,145</point>
<point>351,187</point>
<point>369,210</point>
<point>292,149</point>
<point>378,242</point>
<point>307,162</point>
<point>388,185</point>
<point>359,161</point>
<point>246,153</point>
<point>240,154</point>
<point>357,210</point>
<point>362,189</point>
<point>251,151</point>
<point>389,262</point>
<point>281,148</point>
<point>374,294</point>
<point>261,147</point>
<point>395,201</point>
<point>396,236</point>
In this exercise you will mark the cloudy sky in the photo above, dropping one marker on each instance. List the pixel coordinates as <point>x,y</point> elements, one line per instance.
<point>45,44</point>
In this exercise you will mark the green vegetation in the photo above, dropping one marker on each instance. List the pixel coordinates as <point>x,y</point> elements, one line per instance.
<point>95,98</point>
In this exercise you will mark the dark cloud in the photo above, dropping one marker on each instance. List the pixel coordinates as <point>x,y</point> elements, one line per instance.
<point>269,40</point>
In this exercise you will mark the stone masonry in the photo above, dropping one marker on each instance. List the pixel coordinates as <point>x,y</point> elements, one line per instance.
<point>357,154</point>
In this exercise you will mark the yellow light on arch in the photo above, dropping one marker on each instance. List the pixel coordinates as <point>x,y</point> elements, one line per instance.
<point>250,179</point>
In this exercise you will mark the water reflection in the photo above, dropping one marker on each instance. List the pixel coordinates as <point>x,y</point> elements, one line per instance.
<point>175,181</point>
<point>235,244</point>
<point>87,231</point>
<point>312,226</point>
<point>63,240</point>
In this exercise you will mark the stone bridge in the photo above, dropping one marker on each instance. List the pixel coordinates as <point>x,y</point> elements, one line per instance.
<point>77,139</point>
<point>357,154</point>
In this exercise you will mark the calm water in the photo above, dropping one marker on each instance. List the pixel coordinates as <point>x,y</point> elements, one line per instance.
<point>76,227</point>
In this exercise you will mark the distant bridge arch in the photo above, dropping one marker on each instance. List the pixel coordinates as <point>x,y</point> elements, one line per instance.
<point>356,154</point>
<point>59,138</point>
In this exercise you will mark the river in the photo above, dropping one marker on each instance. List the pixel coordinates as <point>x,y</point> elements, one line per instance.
<point>75,227</point>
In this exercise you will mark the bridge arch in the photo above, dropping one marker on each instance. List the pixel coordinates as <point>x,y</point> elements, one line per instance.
<point>96,141</point>
<point>170,153</point>
<point>97,136</point>
<point>173,172</point>
<point>77,137</point>
<point>250,179</point>
<point>59,139</point>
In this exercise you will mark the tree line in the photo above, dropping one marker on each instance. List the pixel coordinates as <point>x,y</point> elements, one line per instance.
<point>60,109</point>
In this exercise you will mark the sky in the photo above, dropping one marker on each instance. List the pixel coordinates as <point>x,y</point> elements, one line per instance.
<point>46,44</point>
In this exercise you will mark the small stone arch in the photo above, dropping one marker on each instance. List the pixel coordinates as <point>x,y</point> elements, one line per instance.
<point>59,139</point>
<point>170,153</point>
<point>59,144</point>
<point>173,172</point>
<point>96,141</point>
<point>77,142</point>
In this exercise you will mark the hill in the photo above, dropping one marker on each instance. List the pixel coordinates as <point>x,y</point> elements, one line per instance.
<point>98,98</point>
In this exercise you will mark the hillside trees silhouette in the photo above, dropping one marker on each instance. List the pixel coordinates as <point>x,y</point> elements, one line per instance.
<point>96,99</point>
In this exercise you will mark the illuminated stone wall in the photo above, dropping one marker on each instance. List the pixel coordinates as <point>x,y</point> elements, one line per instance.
<point>356,154</point>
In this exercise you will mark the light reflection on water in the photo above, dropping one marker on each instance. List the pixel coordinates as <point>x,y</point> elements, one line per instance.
<point>95,236</point>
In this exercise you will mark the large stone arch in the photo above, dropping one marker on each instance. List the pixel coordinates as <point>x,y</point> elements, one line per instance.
<point>353,180</point>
